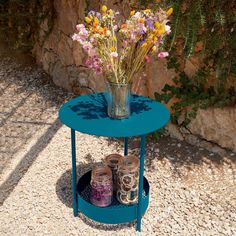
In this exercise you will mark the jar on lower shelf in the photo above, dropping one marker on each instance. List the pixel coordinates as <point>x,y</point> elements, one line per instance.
<point>113,161</point>
<point>127,180</point>
<point>101,186</point>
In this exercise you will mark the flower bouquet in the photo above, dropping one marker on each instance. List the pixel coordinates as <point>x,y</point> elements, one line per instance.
<point>119,50</point>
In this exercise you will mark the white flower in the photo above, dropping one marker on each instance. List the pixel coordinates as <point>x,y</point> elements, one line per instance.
<point>167,28</point>
<point>114,54</point>
<point>137,15</point>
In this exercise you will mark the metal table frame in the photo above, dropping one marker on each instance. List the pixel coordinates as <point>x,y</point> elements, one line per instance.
<point>87,114</point>
<point>141,172</point>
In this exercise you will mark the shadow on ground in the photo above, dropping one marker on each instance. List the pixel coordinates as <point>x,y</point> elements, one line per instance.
<point>10,183</point>
<point>28,100</point>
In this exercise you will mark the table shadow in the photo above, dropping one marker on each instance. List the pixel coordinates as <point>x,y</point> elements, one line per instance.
<point>96,106</point>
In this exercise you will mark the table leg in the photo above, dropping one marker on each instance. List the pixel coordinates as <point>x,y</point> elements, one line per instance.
<point>140,191</point>
<point>74,173</point>
<point>126,146</point>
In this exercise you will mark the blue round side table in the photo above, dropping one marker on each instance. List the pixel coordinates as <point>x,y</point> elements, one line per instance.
<point>88,114</point>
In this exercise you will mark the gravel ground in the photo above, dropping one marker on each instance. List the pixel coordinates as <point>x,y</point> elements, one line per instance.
<point>28,100</point>
<point>192,190</point>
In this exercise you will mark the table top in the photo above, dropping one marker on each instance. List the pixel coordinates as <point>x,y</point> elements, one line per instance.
<point>88,114</point>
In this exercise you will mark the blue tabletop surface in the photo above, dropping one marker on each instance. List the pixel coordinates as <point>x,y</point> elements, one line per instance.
<point>88,114</point>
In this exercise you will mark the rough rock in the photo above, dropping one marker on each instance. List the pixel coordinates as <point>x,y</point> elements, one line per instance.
<point>174,131</point>
<point>217,125</point>
<point>65,50</point>
<point>60,74</point>
<point>191,139</point>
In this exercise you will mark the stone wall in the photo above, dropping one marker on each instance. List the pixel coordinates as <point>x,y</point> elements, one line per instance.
<point>63,60</point>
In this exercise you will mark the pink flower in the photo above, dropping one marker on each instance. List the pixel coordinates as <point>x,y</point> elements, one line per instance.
<point>83,32</point>
<point>87,46</point>
<point>147,58</point>
<point>167,28</point>
<point>98,70</point>
<point>163,55</point>
<point>79,27</point>
<point>75,37</point>
<point>88,63</point>
<point>132,36</point>
<point>125,43</point>
<point>115,27</point>
<point>109,67</point>
<point>114,54</point>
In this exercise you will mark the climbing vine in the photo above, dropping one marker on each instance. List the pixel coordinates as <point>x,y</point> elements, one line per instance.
<point>204,31</point>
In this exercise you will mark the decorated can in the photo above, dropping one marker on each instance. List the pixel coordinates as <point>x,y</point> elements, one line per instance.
<point>113,161</point>
<point>127,180</point>
<point>101,186</point>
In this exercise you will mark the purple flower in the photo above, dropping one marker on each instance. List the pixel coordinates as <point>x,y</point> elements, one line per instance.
<point>149,23</point>
<point>142,32</point>
<point>91,13</point>
<point>142,40</point>
<point>98,15</point>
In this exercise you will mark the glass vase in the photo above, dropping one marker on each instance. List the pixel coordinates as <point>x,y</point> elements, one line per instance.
<point>118,104</point>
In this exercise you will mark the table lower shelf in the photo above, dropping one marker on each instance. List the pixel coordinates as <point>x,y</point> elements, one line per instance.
<point>116,213</point>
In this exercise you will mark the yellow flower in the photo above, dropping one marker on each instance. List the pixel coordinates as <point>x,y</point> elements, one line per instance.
<point>169,12</point>
<point>163,29</point>
<point>96,20</point>
<point>110,12</point>
<point>115,39</point>
<point>104,8</point>
<point>88,20</point>
<point>154,48</point>
<point>113,49</point>
<point>132,13</point>
<point>157,25</point>
<point>147,10</point>
<point>144,45</point>
<point>151,36</point>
